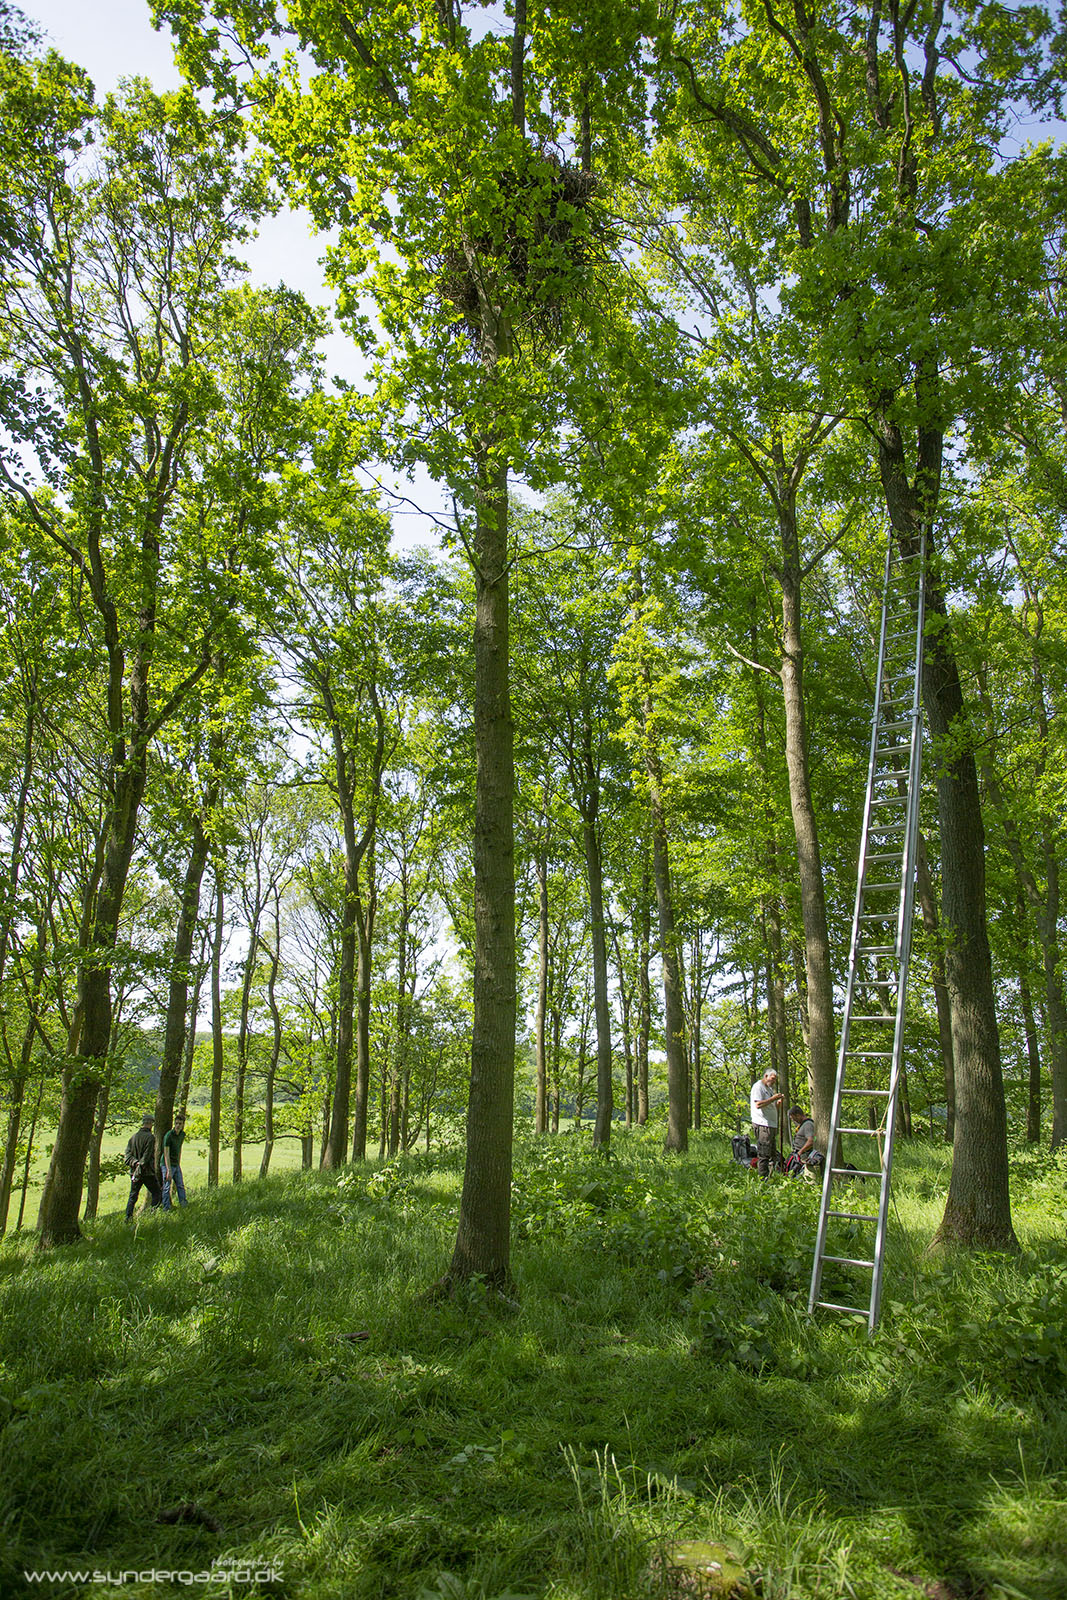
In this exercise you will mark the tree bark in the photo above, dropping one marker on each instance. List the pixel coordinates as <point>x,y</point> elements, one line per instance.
<point>178,991</point>
<point>215,1115</point>
<point>242,1051</point>
<point>483,1244</point>
<point>625,1004</point>
<point>365,919</point>
<point>822,1064</point>
<point>61,1198</point>
<point>92,1186</point>
<point>978,1207</point>
<point>16,1095</point>
<point>594,868</point>
<point>643,941</point>
<point>540,1055</point>
<point>1033,1054</point>
<point>928,905</point>
<point>677,1138</point>
<point>335,1150</point>
<point>275,1046</point>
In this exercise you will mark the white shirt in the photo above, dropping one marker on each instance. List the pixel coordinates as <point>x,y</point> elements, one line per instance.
<point>763,1116</point>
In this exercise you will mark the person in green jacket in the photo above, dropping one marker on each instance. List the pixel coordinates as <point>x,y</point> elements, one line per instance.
<point>171,1157</point>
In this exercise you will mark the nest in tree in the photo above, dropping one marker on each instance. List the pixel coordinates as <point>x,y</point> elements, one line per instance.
<point>538,241</point>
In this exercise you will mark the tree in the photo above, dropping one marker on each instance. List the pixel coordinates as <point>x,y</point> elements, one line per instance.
<point>115,270</point>
<point>335,635</point>
<point>907,311</point>
<point>570,614</point>
<point>481,243</point>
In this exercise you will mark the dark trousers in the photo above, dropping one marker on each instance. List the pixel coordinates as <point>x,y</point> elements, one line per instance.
<point>150,1181</point>
<point>765,1150</point>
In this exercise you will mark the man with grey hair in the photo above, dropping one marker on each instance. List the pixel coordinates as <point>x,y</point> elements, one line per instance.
<point>764,1101</point>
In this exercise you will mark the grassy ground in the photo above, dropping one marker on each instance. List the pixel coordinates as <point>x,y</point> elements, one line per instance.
<point>268,1368</point>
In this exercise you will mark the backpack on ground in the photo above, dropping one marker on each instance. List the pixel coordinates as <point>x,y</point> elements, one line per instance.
<point>742,1148</point>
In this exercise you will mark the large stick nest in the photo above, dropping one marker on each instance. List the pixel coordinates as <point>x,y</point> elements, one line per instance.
<point>540,241</point>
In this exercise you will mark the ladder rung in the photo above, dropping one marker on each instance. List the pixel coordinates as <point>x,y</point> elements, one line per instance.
<point>870,1094</point>
<point>876,950</point>
<point>889,800</point>
<point>852,1172</point>
<point>848,1261</point>
<point>884,888</point>
<point>853,1311</point>
<point>870,1132</point>
<point>880,1017</point>
<point>855,1216</point>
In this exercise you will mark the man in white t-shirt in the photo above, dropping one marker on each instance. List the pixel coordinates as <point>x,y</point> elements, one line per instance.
<point>764,1101</point>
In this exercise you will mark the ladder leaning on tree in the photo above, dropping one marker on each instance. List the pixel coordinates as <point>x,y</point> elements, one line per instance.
<point>881,945</point>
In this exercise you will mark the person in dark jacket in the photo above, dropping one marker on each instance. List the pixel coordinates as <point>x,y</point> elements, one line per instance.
<point>141,1160</point>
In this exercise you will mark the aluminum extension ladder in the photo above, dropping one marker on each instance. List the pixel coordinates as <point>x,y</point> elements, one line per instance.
<point>881,945</point>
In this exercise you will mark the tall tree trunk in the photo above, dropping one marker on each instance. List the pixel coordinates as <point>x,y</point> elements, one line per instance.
<point>594,870</point>
<point>61,1198</point>
<point>777,1025</point>
<point>400,1054</point>
<point>643,940</point>
<point>275,1043</point>
<point>483,1235</point>
<point>16,1093</point>
<point>696,979</point>
<point>822,1062</point>
<point>15,1097</point>
<point>928,905</point>
<point>30,1137</point>
<point>800,981</point>
<point>978,1206</point>
<point>202,969</point>
<point>9,898</point>
<point>625,1004</point>
<point>335,1151</point>
<point>365,919</point>
<point>215,1115</point>
<point>583,1056</point>
<point>540,1055</point>
<point>1033,1055</point>
<point>242,1051</point>
<point>178,991</point>
<point>677,1137</point>
<point>92,1186</point>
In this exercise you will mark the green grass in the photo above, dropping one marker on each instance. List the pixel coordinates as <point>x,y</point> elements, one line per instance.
<point>654,1378</point>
